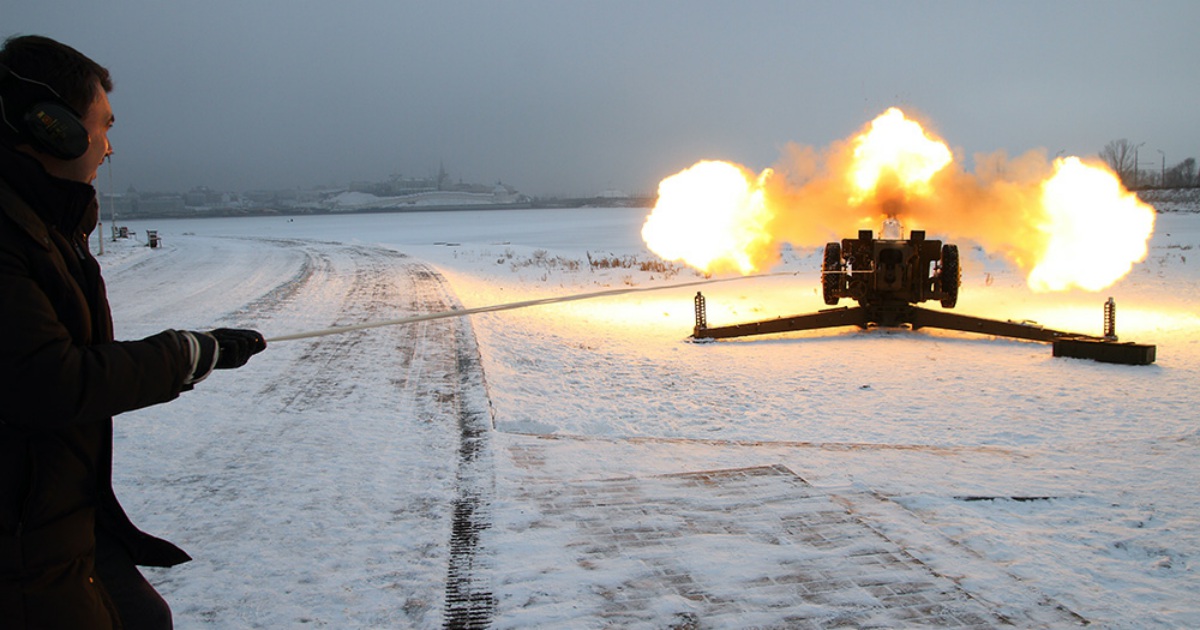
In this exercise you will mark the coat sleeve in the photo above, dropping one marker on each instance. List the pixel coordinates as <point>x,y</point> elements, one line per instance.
<point>49,380</point>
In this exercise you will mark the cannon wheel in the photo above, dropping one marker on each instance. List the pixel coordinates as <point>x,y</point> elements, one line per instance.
<point>831,280</point>
<point>951,276</point>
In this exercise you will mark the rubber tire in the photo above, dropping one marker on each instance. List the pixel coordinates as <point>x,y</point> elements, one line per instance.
<point>831,283</point>
<point>951,277</point>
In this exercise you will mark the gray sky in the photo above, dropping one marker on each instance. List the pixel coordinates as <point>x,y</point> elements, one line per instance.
<point>571,97</point>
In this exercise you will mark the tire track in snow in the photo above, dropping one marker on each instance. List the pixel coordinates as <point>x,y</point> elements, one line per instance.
<point>239,283</point>
<point>395,477</point>
<point>470,602</point>
<point>281,295</point>
<point>439,374</point>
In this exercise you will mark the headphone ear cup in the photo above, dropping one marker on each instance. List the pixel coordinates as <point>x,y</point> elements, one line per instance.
<point>56,130</point>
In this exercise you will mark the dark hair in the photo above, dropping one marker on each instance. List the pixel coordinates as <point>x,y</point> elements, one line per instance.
<point>66,70</point>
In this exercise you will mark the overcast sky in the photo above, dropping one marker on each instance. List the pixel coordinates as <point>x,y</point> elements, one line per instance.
<point>569,97</point>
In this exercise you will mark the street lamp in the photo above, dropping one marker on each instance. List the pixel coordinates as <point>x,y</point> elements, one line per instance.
<point>1136,165</point>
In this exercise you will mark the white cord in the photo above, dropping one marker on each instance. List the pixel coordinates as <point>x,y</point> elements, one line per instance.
<point>507,307</point>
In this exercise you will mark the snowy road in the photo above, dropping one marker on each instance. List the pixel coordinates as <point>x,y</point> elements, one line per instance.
<point>292,459</point>
<point>351,481</point>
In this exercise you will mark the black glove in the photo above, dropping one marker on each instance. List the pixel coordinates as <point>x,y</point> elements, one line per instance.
<point>236,346</point>
<point>220,349</point>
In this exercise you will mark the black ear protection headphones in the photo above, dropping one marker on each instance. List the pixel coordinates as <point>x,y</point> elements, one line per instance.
<point>39,116</point>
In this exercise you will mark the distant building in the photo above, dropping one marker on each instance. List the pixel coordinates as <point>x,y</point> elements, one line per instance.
<point>203,196</point>
<point>133,204</point>
<point>161,204</point>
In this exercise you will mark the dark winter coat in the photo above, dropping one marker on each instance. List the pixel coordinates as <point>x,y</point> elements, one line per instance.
<point>62,378</point>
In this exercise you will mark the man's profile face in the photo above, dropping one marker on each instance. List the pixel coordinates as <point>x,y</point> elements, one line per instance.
<point>97,120</point>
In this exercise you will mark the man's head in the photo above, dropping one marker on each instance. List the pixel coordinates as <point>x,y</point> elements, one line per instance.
<point>80,83</point>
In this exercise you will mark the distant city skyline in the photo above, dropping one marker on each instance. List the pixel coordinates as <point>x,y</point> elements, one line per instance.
<point>581,97</point>
<point>450,181</point>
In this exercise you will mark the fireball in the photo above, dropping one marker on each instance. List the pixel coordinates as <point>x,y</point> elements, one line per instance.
<point>1094,229</point>
<point>895,156</point>
<point>711,216</point>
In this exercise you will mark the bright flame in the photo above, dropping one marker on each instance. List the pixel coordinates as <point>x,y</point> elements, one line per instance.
<point>1095,230</point>
<point>712,216</point>
<point>1066,224</point>
<point>895,153</point>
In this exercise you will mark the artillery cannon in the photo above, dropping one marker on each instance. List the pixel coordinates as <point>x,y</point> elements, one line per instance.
<point>888,276</point>
<point>875,271</point>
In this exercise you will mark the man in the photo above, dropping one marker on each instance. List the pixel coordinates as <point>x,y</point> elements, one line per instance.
<point>67,549</point>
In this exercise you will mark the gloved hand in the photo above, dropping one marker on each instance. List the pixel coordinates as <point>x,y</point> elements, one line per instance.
<point>236,346</point>
<point>223,348</point>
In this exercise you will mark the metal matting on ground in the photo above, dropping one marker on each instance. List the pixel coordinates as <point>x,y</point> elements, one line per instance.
<point>724,548</point>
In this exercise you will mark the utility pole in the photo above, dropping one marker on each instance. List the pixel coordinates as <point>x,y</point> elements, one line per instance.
<point>1162,177</point>
<point>112,202</point>
<point>1136,164</point>
<point>100,224</point>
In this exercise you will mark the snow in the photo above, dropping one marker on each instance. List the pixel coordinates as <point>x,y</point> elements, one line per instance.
<point>339,482</point>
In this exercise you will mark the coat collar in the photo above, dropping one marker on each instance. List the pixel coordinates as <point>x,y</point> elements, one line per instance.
<point>36,201</point>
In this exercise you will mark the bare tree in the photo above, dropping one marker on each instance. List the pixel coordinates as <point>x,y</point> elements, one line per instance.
<point>1121,157</point>
<point>1182,174</point>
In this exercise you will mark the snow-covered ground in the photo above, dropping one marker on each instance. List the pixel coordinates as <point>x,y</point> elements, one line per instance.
<point>343,481</point>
